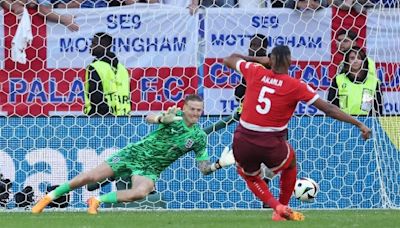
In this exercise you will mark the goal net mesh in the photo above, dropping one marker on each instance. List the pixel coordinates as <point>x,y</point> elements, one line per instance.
<point>45,139</point>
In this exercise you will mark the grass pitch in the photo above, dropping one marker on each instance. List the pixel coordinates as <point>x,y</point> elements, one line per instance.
<point>207,219</point>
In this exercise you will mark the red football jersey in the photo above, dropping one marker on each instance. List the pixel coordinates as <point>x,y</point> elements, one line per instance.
<point>270,98</point>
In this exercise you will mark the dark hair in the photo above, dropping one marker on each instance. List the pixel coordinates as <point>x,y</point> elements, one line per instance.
<point>281,52</point>
<point>363,56</point>
<point>262,38</point>
<point>105,40</point>
<point>193,97</point>
<point>348,33</point>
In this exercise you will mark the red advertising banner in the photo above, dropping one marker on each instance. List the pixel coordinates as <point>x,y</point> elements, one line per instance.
<point>33,89</point>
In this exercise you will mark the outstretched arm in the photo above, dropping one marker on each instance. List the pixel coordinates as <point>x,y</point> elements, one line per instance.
<point>232,60</point>
<point>65,19</point>
<point>222,123</point>
<point>164,117</point>
<point>226,159</point>
<point>334,112</point>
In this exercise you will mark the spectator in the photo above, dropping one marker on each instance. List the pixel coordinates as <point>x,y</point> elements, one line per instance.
<point>301,4</point>
<point>356,90</point>
<point>251,4</point>
<point>14,6</point>
<point>107,84</point>
<point>386,3</point>
<point>283,4</point>
<point>258,47</point>
<point>312,4</point>
<point>192,5</point>
<point>129,2</point>
<point>86,4</point>
<point>218,3</point>
<point>345,39</point>
<point>45,8</point>
<point>360,6</point>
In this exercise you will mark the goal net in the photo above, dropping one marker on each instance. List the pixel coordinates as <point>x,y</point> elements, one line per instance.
<point>46,139</point>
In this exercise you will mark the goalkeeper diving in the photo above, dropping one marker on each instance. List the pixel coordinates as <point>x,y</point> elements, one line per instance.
<point>178,133</point>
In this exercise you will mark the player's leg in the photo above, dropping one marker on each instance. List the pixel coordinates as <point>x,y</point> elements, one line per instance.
<point>288,178</point>
<point>101,172</point>
<point>248,150</point>
<point>267,176</point>
<point>287,182</point>
<point>258,186</point>
<point>141,187</point>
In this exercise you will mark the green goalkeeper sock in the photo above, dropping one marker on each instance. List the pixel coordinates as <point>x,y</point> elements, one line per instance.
<point>60,190</point>
<point>109,198</point>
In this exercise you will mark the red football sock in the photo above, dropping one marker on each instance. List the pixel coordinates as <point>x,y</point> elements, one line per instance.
<point>287,182</point>
<point>259,188</point>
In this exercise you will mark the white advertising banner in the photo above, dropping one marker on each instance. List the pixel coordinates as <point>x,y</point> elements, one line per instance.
<point>308,34</point>
<point>224,103</point>
<point>383,32</point>
<point>1,39</point>
<point>391,103</point>
<point>144,36</point>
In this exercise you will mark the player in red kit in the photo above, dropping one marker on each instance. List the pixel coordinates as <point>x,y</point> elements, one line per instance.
<point>270,100</point>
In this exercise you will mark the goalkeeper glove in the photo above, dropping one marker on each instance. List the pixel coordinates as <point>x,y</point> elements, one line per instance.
<point>169,116</point>
<point>226,158</point>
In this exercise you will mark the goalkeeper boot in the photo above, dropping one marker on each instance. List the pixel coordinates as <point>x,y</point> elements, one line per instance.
<point>38,208</point>
<point>93,205</point>
<point>287,213</point>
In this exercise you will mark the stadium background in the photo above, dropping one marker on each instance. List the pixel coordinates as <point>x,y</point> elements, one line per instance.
<point>43,141</point>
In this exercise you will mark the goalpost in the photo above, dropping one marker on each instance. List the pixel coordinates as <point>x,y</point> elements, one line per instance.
<point>45,139</point>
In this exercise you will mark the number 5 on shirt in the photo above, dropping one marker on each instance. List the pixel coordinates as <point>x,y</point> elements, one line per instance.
<point>263,99</point>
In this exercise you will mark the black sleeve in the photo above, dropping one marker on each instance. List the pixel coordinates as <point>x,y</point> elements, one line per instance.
<point>240,90</point>
<point>96,96</point>
<point>333,97</point>
<point>378,104</point>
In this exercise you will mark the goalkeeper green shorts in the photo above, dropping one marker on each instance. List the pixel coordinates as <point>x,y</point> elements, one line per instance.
<point>126,163</point>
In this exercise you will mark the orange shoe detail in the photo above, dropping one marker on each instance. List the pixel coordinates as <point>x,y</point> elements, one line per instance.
<point>296,216</point>
<point>287,213</point>
<point>41,204</point>
<point>93,205</point>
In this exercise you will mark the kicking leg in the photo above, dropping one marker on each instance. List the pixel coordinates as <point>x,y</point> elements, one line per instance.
<point>257,185</point>
<point>287,182</point>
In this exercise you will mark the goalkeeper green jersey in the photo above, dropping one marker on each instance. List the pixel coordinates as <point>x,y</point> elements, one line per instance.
<point>153,154</point>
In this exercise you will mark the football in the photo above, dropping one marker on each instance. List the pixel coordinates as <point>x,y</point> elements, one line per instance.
<point>306,189</point>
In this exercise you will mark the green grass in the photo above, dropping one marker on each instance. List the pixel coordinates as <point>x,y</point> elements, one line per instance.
<point>208,219</point>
